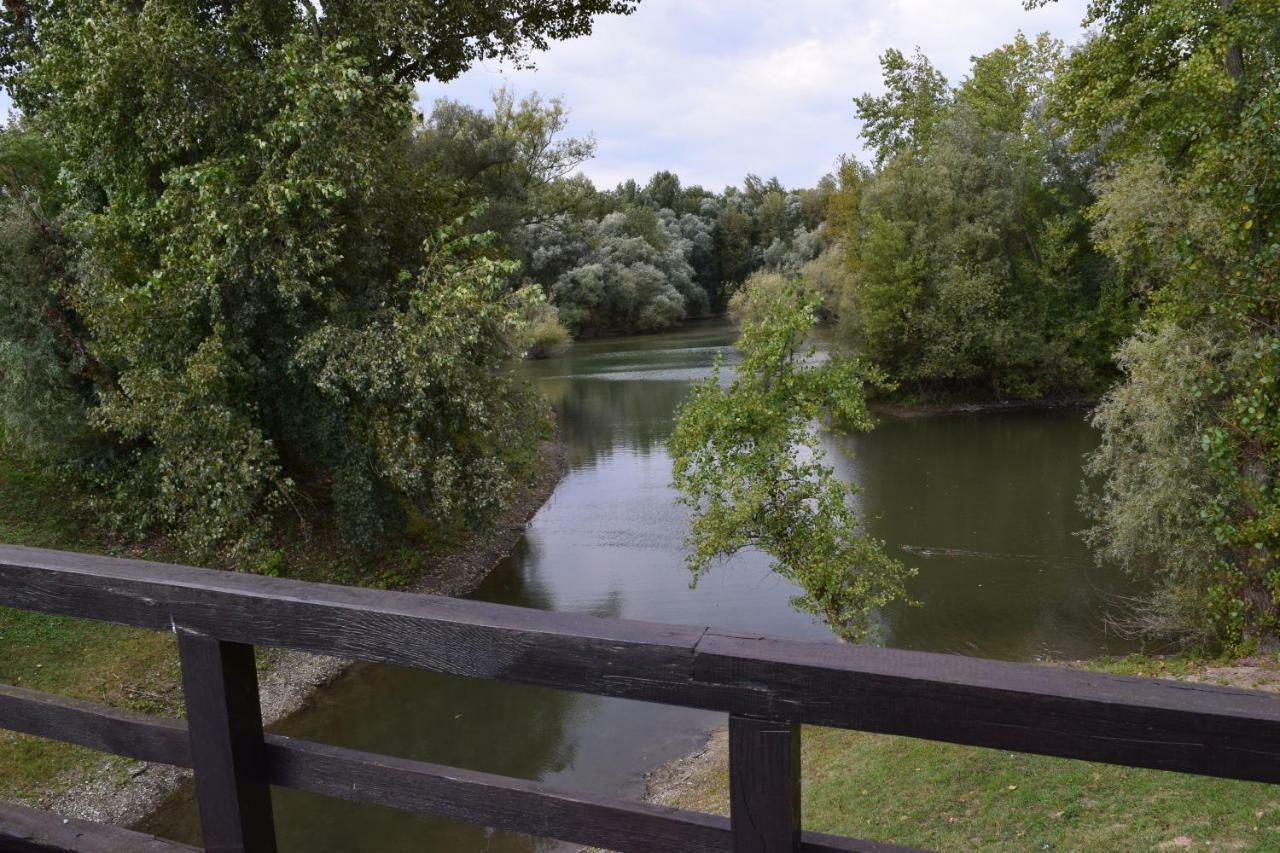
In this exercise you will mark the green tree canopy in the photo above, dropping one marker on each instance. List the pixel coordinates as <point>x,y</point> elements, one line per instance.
<point>267,300</point>
<point>1184,98</point>
<point>969,251</point>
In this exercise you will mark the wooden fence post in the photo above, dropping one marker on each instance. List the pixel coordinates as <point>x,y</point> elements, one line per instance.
<point>220,684</point>
<point>764,785</point>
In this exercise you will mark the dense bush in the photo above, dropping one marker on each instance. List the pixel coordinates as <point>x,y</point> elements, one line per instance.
<point>1185,99</point>
<point>246,284</point>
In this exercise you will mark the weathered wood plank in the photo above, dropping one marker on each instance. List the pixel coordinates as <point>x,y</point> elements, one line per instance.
<point>224,724</point>
<point>481,798</point>
<point>1161,724</point>
<point>415,786</point>
<point>100,727</point>
<point>1053,711</point>
<point>547,811</point>
<point>478,639</point>
<point>26,830</point>
<point>764,785</point>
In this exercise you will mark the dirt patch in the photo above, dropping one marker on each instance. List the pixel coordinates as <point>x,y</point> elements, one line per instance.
<point>926,410</point>
<point>123,792</point>
<point>1248,673</point>
<point>676,781</point>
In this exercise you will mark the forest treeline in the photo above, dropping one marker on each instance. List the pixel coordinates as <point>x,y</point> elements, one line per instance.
<point>246,285</point>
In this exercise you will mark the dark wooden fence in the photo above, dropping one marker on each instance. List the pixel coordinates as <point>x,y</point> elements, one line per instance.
<point>767,686</point>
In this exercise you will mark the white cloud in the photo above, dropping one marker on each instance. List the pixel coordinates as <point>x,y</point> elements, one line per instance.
<point>713,89</point>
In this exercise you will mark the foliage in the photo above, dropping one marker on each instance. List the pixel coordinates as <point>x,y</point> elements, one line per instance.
<point>1184,98</point>
<point>750,466</point>
<point>969,254</point>
<point>44,387</point>
<point>514,160</point>
<point>621,273</point>
<point>902,120</point>
<point>542,333</point>
<point>259,296</point>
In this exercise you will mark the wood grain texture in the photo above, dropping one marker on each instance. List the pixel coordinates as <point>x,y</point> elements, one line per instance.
<point>228,754</point>
<point>139,736</point>
<point>1139,722</point>
<point>26,830</point>
<point>764,785</point>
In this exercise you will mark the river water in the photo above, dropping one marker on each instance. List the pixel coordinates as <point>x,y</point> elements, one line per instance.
<point>983,505</point>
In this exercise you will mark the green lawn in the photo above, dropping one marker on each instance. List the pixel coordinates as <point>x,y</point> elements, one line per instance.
<point>944,797</point>
<point>88,660</point>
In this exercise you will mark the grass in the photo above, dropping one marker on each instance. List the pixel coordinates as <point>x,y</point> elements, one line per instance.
<point>88,660</point>
<point>945,797</point>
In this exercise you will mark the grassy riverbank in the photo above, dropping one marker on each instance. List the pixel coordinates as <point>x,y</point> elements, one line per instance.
<point>944,797</point>
<point>139,669</point>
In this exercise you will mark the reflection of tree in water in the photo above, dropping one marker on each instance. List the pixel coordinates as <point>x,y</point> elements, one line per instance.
<point>599,415</point>
<point>990,519</point>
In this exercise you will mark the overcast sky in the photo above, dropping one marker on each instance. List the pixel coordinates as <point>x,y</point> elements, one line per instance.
<point>714,89</point>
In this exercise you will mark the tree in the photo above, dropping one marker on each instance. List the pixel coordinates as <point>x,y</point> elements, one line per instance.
<point>514,159</point>
<point>1006,82</point>
<point>903,118</point>
<point>271,301</point>
<point>1183,98</point>
<point>45,372</point>
<point>969,250</point>
<point>750,467</point>
<point>663,190</point>
<point>632,274</point>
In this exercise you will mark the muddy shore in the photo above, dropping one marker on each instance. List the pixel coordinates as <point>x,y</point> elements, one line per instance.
<point>123,792</point>
<point>926,410</point>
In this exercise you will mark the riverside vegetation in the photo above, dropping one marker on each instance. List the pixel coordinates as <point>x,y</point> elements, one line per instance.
<point>1098,221</point>
<point>250,300</point>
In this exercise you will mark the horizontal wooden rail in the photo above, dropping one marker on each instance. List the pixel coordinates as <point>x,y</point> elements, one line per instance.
<point>1201,729</point>
<point>24,830</point>
<point>416,786</point>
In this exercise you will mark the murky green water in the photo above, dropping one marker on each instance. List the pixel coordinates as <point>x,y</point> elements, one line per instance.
<point>984,506</point>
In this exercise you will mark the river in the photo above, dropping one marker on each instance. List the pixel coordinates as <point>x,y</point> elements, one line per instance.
<point>983,505</point>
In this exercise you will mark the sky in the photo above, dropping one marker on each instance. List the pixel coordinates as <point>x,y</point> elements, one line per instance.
<point>715,89</point>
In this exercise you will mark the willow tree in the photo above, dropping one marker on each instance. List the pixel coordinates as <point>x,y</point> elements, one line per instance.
<point>1184,97</point>
<point>262,305</point>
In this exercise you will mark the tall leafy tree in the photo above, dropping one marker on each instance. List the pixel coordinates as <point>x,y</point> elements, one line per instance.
<point>1183,96</point>
<point>513,159</point>
<point>262,291</point>
<point>968,244</point>
<point>902,120</point>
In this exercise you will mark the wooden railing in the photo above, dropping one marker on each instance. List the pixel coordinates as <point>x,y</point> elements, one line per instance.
<point>767,686</point>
